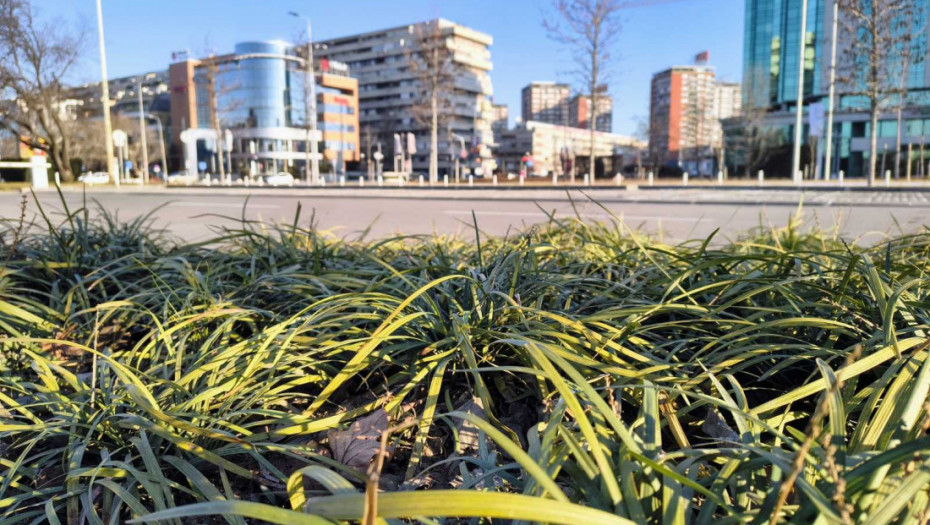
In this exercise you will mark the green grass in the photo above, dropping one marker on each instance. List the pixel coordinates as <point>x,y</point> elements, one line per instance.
<point>571,373</point>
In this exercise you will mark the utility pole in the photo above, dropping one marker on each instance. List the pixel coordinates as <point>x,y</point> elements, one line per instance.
<point>161,143</point>
<point>105,99</point>
<point>798,123</point>
<point>828,152</point>
<point>313,175</point>
<point>145,147</point>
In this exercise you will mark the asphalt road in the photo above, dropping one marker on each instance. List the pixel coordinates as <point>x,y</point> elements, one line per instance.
<point>197,214</point>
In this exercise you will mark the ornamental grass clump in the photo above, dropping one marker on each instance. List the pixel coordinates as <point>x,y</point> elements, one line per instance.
<point>571,373</point>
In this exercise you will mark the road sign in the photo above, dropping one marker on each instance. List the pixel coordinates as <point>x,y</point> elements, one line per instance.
<point>119,138</point>
<point>202,166</point>
<point>378,155</point>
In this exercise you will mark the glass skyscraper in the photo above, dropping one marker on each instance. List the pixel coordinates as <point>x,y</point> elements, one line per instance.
<point>770,53</point>
<point>770,82</point>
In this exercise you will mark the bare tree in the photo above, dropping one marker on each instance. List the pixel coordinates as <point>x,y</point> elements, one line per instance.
<point>591,29</point>
<point>432,63</point>
<point>878,36</point>
<point>88,143</point>
<point>210,82</point>
<point>35,58</point>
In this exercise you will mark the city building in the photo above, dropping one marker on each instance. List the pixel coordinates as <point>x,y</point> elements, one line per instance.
<point>391,97</point>
<point>84,101</point>
<point>500,118</point>
<point>770,87</point>
<point>259,93</point>
<point>729,100</point>
<point>684,118</point>
<point>579,111</point>
<point>563,149</point>
<point>546,102</point>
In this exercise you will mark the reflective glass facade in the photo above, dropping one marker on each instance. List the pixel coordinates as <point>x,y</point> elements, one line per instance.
<point>770,54</point>
<point>254,90</point>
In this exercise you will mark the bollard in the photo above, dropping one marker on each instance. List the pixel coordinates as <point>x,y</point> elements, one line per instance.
<point>421,180</point>
<point>471,180</point>
<point>887,177</point>
<point>342,180</point>
<point>719,177</point>
<point>618,179</point>
<point>494,180</point>
<point>555,179</point>
<point>361,182</point>
<point>380,180</point>
<point>247,181</point>
<point>650,178</point>
<point>585,179</point>
<point>57,179</point>
<point>684,178</point>
<point>761,176</point>
<point>840,177</point>
<point>445,180</point>
<point>522,180</point>
<point>322,181</point>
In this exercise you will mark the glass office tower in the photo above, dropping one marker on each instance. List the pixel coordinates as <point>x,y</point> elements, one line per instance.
<point>770,54</point>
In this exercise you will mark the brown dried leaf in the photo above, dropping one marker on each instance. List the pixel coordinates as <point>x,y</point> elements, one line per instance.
<point>469,434</point>
<point>715,427</point>
<point>358,444</point>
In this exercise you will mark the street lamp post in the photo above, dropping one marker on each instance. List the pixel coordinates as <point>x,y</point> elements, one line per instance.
<point>798,123</point>
<point>161,143</point>
<point>310,108</point>
<point>105,99</point>
<point>829,151</point>
<point>142,133</point>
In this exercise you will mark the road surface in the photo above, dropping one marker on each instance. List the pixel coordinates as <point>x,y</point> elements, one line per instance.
<point>675,215</point>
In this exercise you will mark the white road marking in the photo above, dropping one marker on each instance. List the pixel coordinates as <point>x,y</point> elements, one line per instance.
<point>583,215</point>
<point>205,204</point>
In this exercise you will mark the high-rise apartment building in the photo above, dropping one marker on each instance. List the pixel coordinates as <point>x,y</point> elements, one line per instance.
<point>579,111</point>
<point>546,102</point>
<point>686,107</point>
<point>729,100</point>
<point>391,97</point>
<point>500,118</point>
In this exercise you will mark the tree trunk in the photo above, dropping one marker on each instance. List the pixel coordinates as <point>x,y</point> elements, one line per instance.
<point>59,155</point>
<point>592,121</point>
<point>434,138</point>
<point>873,142</point>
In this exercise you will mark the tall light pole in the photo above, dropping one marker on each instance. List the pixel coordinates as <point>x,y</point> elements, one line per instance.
<point>798,123</point>
<point>829,150</point>
<point>105,99</point>
<point>161,143</point>
<point>313,173</point>
<point>142,133</point>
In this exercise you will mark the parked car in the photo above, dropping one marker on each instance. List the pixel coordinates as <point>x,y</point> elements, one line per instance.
<point>181,177</point>
<point>94,177</point>
<point>279,179</point>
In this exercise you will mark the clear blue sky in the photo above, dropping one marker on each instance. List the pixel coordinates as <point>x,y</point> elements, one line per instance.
<point>141,34</point>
